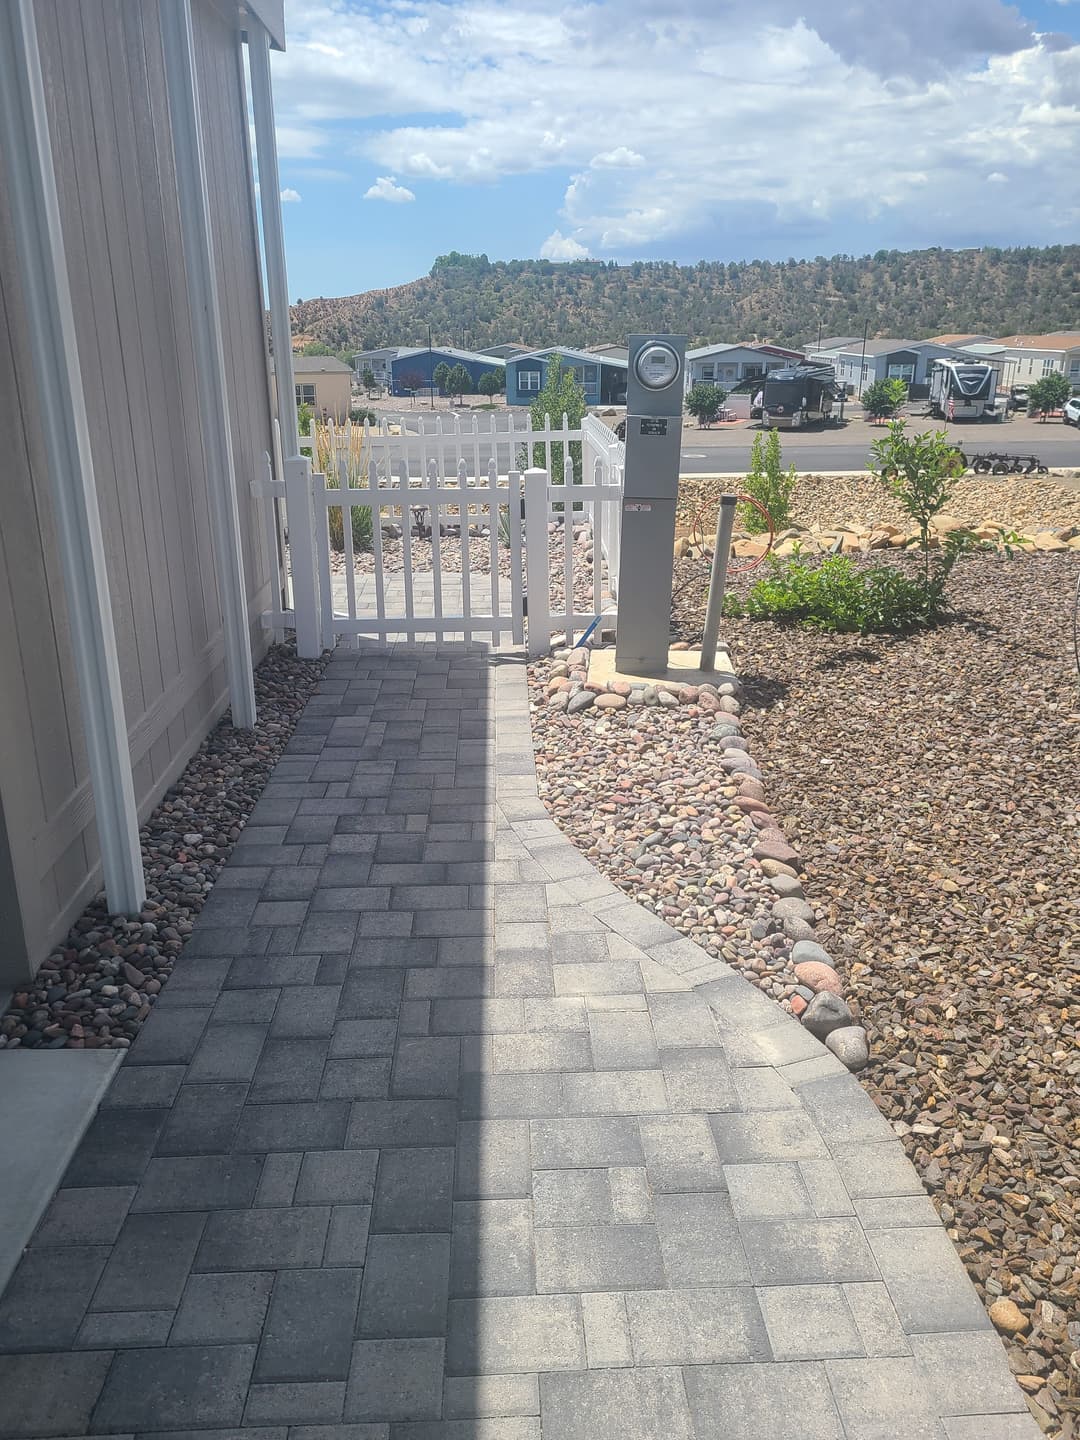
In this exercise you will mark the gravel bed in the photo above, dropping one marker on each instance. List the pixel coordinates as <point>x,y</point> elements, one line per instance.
<point>862,502</point>
<point>96,989</point>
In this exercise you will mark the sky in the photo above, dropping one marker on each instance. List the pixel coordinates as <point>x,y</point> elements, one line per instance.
<point>678,130</point>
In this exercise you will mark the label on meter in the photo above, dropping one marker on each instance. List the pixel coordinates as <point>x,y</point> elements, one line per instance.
<point>653,426</point>
<point>637,507</point>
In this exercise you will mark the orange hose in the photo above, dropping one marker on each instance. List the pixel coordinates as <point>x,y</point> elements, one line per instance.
<point>697,537</point>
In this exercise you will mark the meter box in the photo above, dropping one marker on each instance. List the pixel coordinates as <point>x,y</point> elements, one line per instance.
<point>654,409</point>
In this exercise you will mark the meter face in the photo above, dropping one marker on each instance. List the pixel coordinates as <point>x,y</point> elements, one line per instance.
<point>657,366</point>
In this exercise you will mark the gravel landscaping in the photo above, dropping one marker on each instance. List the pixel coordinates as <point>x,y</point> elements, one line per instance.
<point>930,787</point>
<point>97,988</point>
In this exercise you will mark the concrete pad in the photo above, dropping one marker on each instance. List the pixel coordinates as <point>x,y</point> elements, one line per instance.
<point>47,1099</point>
<point>683,668</point>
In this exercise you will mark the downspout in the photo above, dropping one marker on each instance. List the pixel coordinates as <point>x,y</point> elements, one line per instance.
<point>181,83</point>
<point>298,483</point>
<point>39,249</point>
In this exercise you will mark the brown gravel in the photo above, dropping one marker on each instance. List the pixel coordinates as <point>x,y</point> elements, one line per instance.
<point>822,501</point>
<point>932,784</point>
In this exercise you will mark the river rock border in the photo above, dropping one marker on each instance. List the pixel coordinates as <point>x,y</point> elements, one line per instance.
<point>818,999</point>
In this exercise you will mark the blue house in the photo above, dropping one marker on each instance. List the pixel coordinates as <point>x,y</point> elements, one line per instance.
<point>412,370</point>
<point>602,377</point>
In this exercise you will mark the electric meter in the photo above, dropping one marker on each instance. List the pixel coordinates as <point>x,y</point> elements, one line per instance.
<point>657,366</point>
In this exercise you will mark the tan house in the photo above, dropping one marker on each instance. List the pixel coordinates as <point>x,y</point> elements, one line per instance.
<point>135,412</point>
<point>1034,356</point>
<point>324,383</point>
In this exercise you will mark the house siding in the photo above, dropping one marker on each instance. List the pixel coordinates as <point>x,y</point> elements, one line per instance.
<point>108,118</point>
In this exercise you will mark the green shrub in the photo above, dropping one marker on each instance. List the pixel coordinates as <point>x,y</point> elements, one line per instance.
<point>360,417</point>
<point>768,482</point>
<point>704,402</point>
<point>838,595</point>
<point>883,398</point>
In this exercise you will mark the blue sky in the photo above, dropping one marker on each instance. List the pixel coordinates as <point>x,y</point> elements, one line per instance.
<point>670,129</point>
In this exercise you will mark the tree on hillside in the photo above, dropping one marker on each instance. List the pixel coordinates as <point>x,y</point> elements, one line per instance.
<point>441,377</point>
<point>882,398</point>
<point>561,396</point>
<point>704,402</point>
<point>1048,393</point>
<point>491,383</point>
<point>459,382</point>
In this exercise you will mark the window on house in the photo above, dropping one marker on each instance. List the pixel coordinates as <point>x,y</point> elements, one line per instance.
<point>749,370</point>
<point>902,372</point>
<point>1048,367</point>
<point>528,379</point>
<point>708,372</point>
<point>305,395</point>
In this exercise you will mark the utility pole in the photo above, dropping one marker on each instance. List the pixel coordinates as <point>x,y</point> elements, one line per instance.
<point>431,373</point>
<point>862,358</point>
<point>819,332</point>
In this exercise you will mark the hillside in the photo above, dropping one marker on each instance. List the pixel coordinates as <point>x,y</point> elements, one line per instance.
<point>911,294</point>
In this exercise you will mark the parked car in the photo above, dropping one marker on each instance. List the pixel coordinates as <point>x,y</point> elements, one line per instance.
<point>1071,412</point>
<point>1018,397</point>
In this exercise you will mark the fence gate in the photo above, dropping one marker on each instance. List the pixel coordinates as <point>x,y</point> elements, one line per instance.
<point>423,530</point>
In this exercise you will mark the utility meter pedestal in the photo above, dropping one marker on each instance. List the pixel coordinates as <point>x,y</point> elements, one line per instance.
<point>654,408</point>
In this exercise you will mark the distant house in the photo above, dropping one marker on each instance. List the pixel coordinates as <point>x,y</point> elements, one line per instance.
<point>726,365</point>
<point>886,359</point>
<point>602,377</point>
<point>414,369</point>
<point>964,341</point>
<point>324,383</point>
<point>619,352</point>
<point>1034,356</point>
<point>506,352</point>
<point>378,362</point>
<point>824,351</point>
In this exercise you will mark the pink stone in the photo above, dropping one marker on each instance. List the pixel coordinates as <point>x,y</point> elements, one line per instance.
<point>770,849</point>
<point>688,694</point>
<point>751,788</point>
<point>610,702</point>
<point>751,803</point>
<point>763,820</point>
<point>710,703</point>
<point>621,687</point>
<point>798,1004</point>
<point>819,977</point>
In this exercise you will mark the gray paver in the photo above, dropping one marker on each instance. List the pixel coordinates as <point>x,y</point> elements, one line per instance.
<point>880,1399</point>
<point>700,1240</point>
<point>597,1257</point>
<point>395,1380</point>
<point>750,1402</point>
<point>406,1285</point>
<point>514,1335</point>
<point>696,1327</point>
<point>223,1309</point>
<point>926,1280</point>
<point>150,1262</point>
<point>414,1190</point>
<point>309,1328</point>
<point>809,1322</point>
<point>680,1153</point>
<point>633,1404</point>
<point>189,1387</point>
<point>492,1248</point>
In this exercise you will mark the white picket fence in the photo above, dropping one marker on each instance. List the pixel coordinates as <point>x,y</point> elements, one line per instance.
<point>473,482</point>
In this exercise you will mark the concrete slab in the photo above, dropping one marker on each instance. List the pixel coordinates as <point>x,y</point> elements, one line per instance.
<point>47,1099</point>
<point>683,668</point>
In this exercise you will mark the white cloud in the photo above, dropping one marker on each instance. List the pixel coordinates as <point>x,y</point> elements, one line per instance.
<point>562,247</point>
<point>896,139</point>
<point>997,178</point>
<point>621,158</point>
<point>290,196</point>
<point>387,188</point>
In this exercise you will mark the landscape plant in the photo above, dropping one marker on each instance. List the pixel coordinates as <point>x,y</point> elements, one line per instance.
<point>326,458</point>
<point>459,382</point>
<point>304,416</point>
<point>704,402</point>
<point>441,377</point>
<point>921,471</point>
<point>367,379</point>
<point>491,383</point>
<point>882,398</point>
<point>769,483</point>
<point>561,395</point>
<point>834,595</point>
<point>1048,393</point>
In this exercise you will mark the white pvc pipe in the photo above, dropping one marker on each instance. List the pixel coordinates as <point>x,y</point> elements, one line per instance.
<point>178,43</point>
<point>39,248</point>
<point>307,603</point>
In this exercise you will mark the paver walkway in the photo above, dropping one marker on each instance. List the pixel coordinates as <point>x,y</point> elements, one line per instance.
<point>434,1135</point>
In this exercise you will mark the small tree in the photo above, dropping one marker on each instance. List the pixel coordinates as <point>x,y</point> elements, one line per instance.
<point>411,381</point>
<point>304,416</point>
<point>561,395</point>
<point>769,483</point>
<point>459,382</point>
<point>491,383</point>
<point>921,471</point>
<point>704,403</point>
<point>441,377</point>
<point>883,398</point>
<point>1049,393</point>
<point>367,379</point>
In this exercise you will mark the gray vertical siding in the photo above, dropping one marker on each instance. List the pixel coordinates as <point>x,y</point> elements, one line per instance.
<point>111,142</point>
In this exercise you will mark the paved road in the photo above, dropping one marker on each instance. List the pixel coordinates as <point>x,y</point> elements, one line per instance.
<point>728,451</point>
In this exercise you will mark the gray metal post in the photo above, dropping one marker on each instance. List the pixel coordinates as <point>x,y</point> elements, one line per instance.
<point>725,523</point>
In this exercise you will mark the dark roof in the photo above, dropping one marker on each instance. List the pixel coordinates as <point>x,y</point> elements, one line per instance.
<point>319,365</point>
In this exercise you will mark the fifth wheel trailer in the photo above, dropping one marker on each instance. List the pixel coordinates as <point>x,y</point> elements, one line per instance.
<point>960,390</point>
<point>797,396</point>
